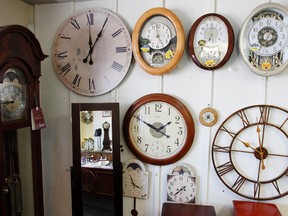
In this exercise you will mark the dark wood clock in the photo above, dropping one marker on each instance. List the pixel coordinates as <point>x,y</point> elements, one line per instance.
<point>20,55</point>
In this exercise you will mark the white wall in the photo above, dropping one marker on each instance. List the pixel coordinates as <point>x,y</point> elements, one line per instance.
<point>227,89</point>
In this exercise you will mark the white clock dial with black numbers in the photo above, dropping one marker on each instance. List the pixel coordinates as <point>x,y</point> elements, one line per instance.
<point>92,51</point>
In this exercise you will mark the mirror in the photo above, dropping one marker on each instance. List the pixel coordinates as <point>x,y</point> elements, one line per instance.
<point>96,175</point>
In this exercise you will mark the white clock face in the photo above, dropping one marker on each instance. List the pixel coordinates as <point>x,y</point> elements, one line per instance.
<point>159,36</point>
<point>264,39</point>
<point>211,41</point>
<point>92,51</point>
<point>181,188</point>
<point>135,184</point>
<point>158,130</point>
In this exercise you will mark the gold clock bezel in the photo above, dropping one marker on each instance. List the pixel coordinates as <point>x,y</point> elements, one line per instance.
<point>208,110</point>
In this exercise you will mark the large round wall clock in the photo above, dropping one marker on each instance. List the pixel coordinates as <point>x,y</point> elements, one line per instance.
<point>264,39</point>
<point>158,129</point>
<point>92,51</point>
<point>158,41</point>
<point>211,41</point>
<point>250,152</point>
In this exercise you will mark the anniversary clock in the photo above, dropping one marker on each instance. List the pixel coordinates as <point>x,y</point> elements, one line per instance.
<point>21,56</point>
<point>250,152</point>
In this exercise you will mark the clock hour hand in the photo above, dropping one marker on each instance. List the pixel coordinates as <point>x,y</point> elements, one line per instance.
<point>152,126</point>
<point>98,36</point>
<point>183,188</point>
<point>133,183</point>
<point>163,126</point>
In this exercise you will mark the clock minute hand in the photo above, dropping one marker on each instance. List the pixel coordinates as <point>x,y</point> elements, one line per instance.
<point>98,36</point>
<point>183,188</point>
<point>163,126</point>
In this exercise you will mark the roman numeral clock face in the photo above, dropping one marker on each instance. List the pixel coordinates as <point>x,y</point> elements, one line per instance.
<point>92,51</point>
<point>250,152</point>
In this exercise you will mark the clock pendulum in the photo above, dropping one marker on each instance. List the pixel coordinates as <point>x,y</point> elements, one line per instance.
<point>134,212</point>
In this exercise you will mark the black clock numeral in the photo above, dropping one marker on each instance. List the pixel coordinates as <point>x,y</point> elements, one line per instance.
<point>91,84</point>
<point>177,119</point>
<point>62,55</point>
<point>139,140</point>
<point>158,107</point>
<point>147,110</point>
<point>177,142</point>
<point>225,168</point>
<point>121,49</point>
<point>75,23</point>
<point>223,149</point>
<point>223,128</point>
<point>90,18</point>
<point>117,33</point>
<point>136,128</point>
<point>244,118</point>
<point>65,69</point>
<point>116,66</point>
<point>276,186</point>
<point>76,80</point>
<point>168,149</point>
<point>257,187</point>
<point>180,131</point>
<point>238,183</point>
<point>264,114</point>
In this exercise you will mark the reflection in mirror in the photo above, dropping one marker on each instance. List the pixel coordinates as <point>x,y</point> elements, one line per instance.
<point>96,159</point>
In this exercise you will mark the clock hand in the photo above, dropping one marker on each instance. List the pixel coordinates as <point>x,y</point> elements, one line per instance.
<point>152,126</point>
<point>183,188</point>
<point>92,48</point>
<point>90,45</point>
<point>258,130</point>
<point>247,144</point>
<point>133,183</point>
<point>163,126</point>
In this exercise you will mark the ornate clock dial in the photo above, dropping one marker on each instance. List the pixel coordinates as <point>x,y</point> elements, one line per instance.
<point>92,51</point>
<point>211,41</point>
<point>158,129</point>
<point>250,152</point>
<point>264,41</point>
<point>158,41</point>
<point>13,91</point>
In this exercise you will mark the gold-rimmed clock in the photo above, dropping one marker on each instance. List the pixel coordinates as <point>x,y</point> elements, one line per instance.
<point>158,41</point>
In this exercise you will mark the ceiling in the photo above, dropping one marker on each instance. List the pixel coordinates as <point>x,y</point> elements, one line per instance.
<point>47,1</point>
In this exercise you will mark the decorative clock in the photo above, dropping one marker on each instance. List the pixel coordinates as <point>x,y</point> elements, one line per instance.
<point>211,41</point>
<point>208,116</point>
<point>250,152</point>
<point>20,71</point>
<point>158,129</point>
<point>181,184</point>
<point>158,41</point>
<point>86,117</point>
<point>264,39</point>
<point>92,51</point>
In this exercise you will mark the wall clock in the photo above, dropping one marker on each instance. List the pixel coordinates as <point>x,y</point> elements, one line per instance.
<point>264,39</point>
<point>158,41</point>
<point>181,184</point>
<point>250,152</point>
<point>86,117</point>
<point>211,41</point>
<point>92,51</point>
<point>158,129</point>
<point>208,117</point>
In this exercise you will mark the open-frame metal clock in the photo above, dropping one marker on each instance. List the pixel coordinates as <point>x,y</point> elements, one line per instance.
<point>158,41</point>
<point>211,41</point>
<point>264,39</point>
<point>158,129</point>
<point>250,152</point>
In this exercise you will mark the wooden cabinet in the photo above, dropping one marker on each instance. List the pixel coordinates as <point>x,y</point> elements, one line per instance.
<point>97,181</point>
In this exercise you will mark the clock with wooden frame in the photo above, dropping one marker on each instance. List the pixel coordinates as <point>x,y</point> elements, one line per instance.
<point>21,56</point>
<point>158,41</point>
<point>264,39</point>
<point>211,41</point>
<point>250,152</point>
<point>92,51</point>
<point>158,129</point>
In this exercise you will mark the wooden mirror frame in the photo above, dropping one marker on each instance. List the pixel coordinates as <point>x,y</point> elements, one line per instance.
<point>76,180</point>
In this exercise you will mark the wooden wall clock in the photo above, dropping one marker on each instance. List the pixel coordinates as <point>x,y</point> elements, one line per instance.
<point>264,39</point>
<point>158,41</point>
<point>20,70</point>
<point>250,152</point>
<point>158,129</point>
<point>92,51</point>
<point>208,117</point>
<point>211,41</point>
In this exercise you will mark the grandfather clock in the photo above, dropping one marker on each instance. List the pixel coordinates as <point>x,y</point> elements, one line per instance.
<point>20,60</point>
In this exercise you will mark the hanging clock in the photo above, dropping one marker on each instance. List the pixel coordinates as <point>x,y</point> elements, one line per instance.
<point>264,39</point>
<point>181,184</point>
<point>211,41</point>
<point>92,51</point>
<point>250,152</point>
<point>86,117</point>
<point>158,41</point>
<point>208,117</point>
<point>158,129</point>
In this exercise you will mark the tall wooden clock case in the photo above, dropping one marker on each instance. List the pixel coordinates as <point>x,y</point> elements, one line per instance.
<point>20,59</point>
